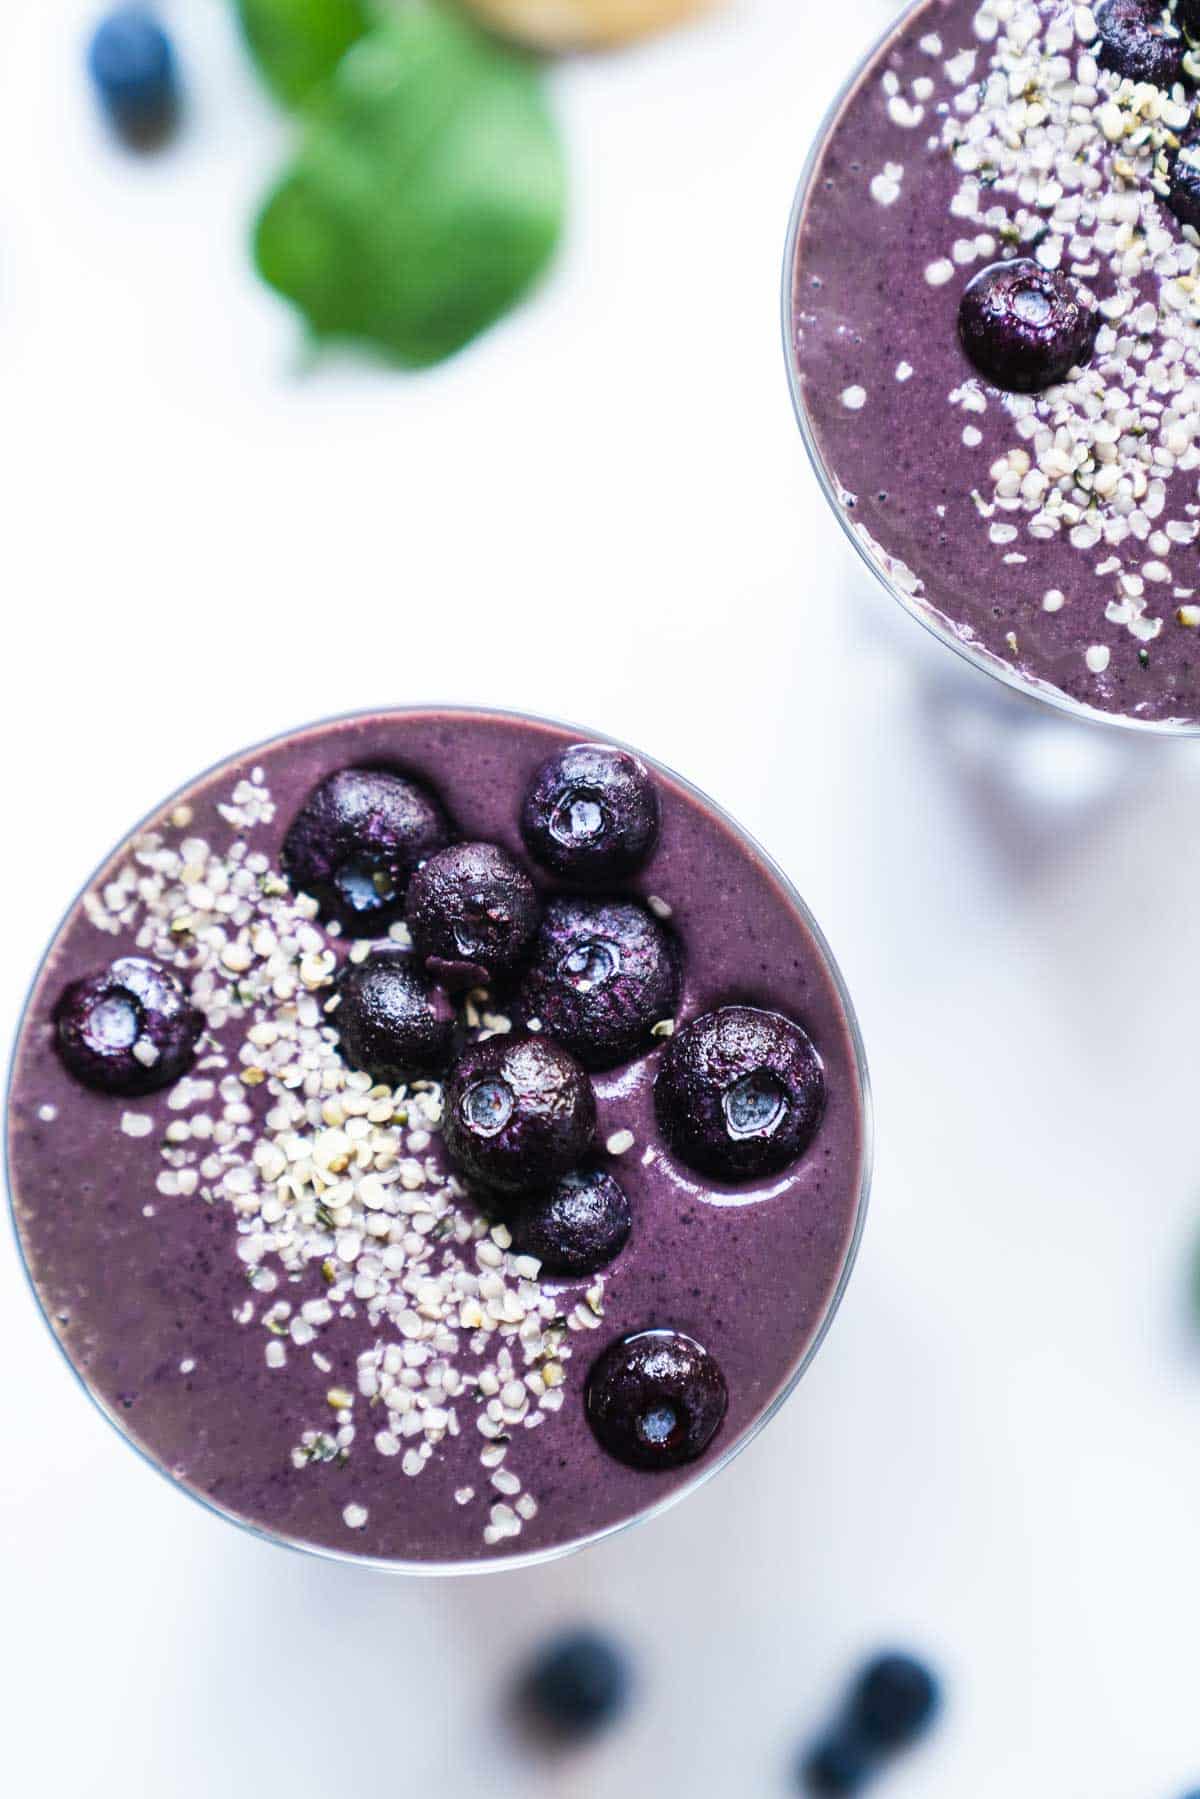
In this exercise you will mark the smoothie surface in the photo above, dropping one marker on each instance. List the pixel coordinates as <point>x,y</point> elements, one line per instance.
<point>1053,533</point>
<point>312,1362</point>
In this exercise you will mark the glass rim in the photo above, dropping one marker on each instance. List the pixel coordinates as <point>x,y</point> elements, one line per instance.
<point>555,1551</point>
<point>1030,687</point>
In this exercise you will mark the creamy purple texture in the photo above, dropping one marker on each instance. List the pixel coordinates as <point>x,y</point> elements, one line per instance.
<point>144,1306</point>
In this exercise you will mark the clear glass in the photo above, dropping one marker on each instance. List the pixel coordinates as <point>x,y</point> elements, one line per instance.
<point>500,1564</point>
<point>934,622</point>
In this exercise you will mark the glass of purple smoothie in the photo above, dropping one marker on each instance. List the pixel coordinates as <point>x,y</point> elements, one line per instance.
<point>438,1138</point>
<point>993,348</point>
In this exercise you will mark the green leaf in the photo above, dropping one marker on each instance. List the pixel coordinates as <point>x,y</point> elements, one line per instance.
<point>297,44</point>
<point>427,196</point>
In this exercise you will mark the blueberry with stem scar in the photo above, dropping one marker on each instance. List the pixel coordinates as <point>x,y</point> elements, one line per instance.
<point>655,1399</point>
<point>130,1028</point>
<point>591,814</point>
<point>603,974</point>
<point>356,842</point>
<point>519,1112</point>
<point>1025,327</point>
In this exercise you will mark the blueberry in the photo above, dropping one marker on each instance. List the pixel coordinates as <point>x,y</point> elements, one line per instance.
<point>519,1111</point>
<point>604,972</point>
<point>130,1028</point>
<point>894,1702</point>
<point>1136,41</point>
<point>740,1093</point>
<point>838,1764</point>
<point>389,1019</point>
<point>655,1399</point>
<point>356,842</point>
<point>133,68</point>
<point>1183,193</point>
<point>577,1684</point>
<point>578,1226</point>
<point>472,911</point>
<point>1025,327</point>
<point>591,814</point>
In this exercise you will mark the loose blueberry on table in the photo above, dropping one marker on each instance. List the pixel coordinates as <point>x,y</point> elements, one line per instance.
<point>428,1188</point>
<point>133,68</point>
<point>577,1684</point>
<point>893,1702</point>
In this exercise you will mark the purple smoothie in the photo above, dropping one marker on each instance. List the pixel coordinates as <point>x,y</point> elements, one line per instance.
<point>1051,534</point>
<point>136,1215</point>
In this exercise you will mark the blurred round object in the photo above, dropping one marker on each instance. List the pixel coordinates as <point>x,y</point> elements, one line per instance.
<point>578,1684</point>
<point>894,1701</point>
<point>582,24</point>
<point>132,66</point>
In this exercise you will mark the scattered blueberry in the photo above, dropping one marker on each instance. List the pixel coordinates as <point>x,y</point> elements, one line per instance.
<point>390,1020</point>
<point>838,1764</point>
<point>1183,193</point>
<point>472,911</point>
<point>894,1702</point>
<point>655,1399</point>
<point>578,1683</point>
<point>740,1093</point>
<point>133,68</point>
<point>130,1028</point>
<point>604,973</point>
<point>591,814</point>
<point>1025,327</point>
<point>356,842</point>
<point>519,1111</point>
<point>1136,41</point>
<point>578,1226</point>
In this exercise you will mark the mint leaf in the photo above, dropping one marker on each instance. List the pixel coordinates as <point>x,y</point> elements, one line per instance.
<point>297,44</point>
<point>427,195</point>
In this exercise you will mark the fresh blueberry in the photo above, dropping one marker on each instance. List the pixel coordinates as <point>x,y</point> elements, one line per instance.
<point>472,911</point>
<point>591,814</point>
<point>655,1399</point>
<point>130,1028</point>
<point>1137,41</point>
<point>1025,327</point>
<point>519,1111</point>
<point>356,842</point>
<point>740,1093</point>
<point>838,1764</point>
<point>604,972</point>
<point>1183,193</point>
<point>578,1226</point>
<point>894,1702</point>
<point>133,68</point>
<point>390,1021</point>
<point>577,1684</point>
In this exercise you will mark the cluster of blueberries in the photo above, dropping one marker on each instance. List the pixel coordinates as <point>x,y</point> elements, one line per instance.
<point>594,975</point>
<point>582,1681</point>
<point>1024,326</point>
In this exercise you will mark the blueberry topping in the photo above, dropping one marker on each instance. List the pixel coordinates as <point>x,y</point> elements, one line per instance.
<point>130,1028</point>
<point>604,973</point>
<point>578,1226</point>
<point>133,68</point>
<point>1183,192</point>
<point>1137,41</point>
<point>519,1112</point>
<point>389,1019</point>
<point>1025,327</point>
<point>655,1399</point>
<point>591,814</point>
<point>579,1683</point>
<point>838,1764</point>
<point>894,1702</point>
<point>472,911</point>
<point>356,842</point>
<point>740,1093</point>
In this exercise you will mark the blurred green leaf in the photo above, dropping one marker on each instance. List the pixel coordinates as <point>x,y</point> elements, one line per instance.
<point>297,44</point>
<point>427,196</point>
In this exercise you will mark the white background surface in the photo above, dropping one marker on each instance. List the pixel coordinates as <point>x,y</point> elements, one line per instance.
<point>603,511</point>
